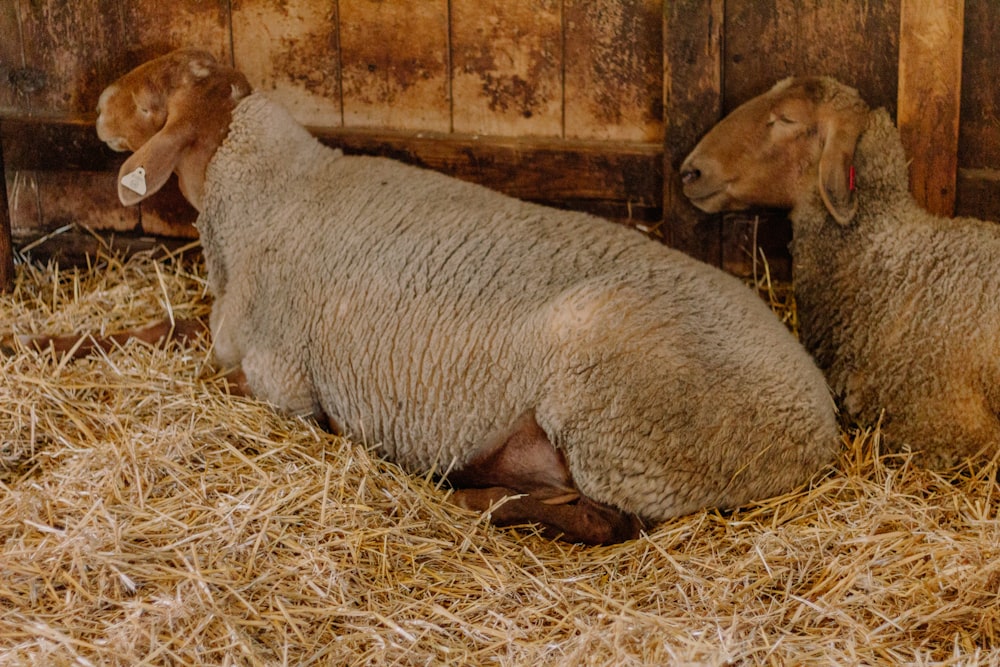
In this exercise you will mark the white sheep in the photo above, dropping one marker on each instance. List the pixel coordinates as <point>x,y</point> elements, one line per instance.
<point>600,378</point>
<point>900,308</point>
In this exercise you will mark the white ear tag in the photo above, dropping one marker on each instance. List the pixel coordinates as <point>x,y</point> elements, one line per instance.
<point>135,181</point>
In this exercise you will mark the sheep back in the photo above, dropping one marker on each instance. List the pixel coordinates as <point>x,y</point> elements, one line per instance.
<point>426,314</point>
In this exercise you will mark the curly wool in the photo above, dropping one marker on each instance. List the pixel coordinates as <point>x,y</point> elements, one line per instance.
<point>425,315</point>
<point>901,309</point>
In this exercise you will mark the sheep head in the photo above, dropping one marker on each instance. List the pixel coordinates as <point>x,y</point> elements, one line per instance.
<point>778,148</point>
<point>173,113</point>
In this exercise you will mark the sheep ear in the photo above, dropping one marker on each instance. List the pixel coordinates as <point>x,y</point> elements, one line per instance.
<point>148,168</point>
<point>836,169</point>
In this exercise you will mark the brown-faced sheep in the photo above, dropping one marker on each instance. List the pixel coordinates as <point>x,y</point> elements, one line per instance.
<point>598,377</point>
<point>899,307</point>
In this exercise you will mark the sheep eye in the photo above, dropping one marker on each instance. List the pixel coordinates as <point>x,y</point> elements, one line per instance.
<point>783,119</point>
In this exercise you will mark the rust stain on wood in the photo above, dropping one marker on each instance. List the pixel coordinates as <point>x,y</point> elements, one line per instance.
<point>67,44</point>
<point>614,69</point>
<point>394,63</point>
<point>506,67</point>
<point>290,47</point>
<point>83,198</point>
<point>152,28</point>
<point>854,41</point>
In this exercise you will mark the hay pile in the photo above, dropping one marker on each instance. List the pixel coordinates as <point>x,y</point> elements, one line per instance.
<point>149,518</point>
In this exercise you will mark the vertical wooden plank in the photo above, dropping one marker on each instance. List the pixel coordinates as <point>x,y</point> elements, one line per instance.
<point>66,43</point>
<point>614,69</point>
<point>11,58</point>
<point>11,62</point>
<point>930,75</point>
<point>692,61</point>
<point>152,28</point>
<point>978,188</point>
<point>6,242</point>
<point>978,139</point>
<point>854,41</point>
<point>394,64</point>
<point>507,67</point>
<point>290,48</point>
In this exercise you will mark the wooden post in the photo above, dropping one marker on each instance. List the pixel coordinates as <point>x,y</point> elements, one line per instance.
<point>6,242</point>
<point>930,88</point>
<point>692,104</point>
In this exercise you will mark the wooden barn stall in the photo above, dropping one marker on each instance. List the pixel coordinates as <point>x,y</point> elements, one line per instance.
<point>147,517</point>
<point>582,104</point>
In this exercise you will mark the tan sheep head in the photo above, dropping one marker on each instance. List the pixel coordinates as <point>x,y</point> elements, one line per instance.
<point>776,149</point>
<point>173,112</point>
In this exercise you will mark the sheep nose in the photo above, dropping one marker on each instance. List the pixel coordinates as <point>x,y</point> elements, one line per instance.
<point>689,175</point>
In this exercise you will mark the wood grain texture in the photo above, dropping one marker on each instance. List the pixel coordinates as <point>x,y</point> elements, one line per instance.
<point>14,76</point>
<point>692,61</point>
<point>151,28</point>
<point>24,206</point>
<point>67,44</point>
<point>977,191</point>
<point>507,67</point>
<point>6,241</point>
<point>290,48</point>
<point>930,75</point>
<point>88,199</point>
<point>855,41</point>
<point>394,64</point>
<point>614,69</point>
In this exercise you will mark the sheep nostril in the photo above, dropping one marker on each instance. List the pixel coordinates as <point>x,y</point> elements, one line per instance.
<point>689,176</point>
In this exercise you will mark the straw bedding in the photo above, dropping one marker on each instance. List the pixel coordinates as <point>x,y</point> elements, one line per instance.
<point>147,517</point>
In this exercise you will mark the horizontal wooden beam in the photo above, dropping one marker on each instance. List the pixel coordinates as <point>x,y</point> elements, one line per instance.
<point>617,179</point>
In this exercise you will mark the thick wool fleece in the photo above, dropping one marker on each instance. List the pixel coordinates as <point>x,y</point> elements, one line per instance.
<point>425,315</point>
<point>902,308</point>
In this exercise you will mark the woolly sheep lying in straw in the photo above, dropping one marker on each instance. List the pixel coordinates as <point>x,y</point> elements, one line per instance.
<point>899,307</point>
<point>601,378</point>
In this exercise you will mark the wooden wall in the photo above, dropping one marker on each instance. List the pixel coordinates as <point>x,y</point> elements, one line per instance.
<point>588,104</point>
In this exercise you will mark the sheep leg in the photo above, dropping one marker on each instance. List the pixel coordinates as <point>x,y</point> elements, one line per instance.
<point>82,345</point>
<point>525,480</point>
<point>583,520</point>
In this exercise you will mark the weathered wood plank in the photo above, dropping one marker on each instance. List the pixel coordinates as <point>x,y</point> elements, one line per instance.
<point>930,75</point>
<point>507,67</point>
<point>66,44</point>
<point>151,28</point>
<point>394,64</point>
<point>86,198</point>
<point>610,178</point>
<point>692,61</point>
<point>6,242</point>
<point>855,41</point>
<point>291,49</point>
<point>614,69</point>
<point>13,74</point>
<point>22,198</point>
<point>978,138</point>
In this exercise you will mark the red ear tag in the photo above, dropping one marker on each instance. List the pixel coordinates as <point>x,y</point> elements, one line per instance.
<point>850,178</point>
